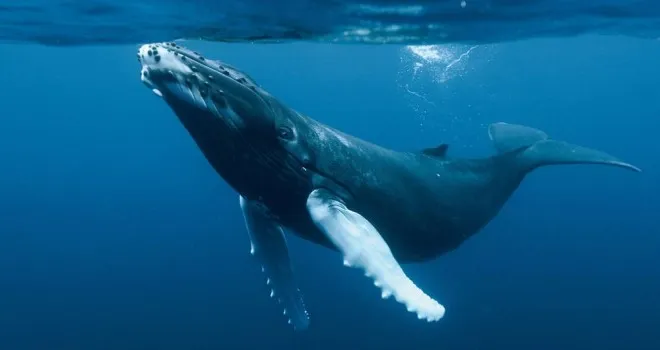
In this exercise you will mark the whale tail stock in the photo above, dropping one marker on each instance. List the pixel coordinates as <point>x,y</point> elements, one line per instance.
<point>535,149</point>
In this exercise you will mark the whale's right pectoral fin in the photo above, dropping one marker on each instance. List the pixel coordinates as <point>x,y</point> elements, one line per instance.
<point>363,247</point>
<point>269,246</point>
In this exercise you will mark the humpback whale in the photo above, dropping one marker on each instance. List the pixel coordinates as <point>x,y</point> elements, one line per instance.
<point>375,206</point>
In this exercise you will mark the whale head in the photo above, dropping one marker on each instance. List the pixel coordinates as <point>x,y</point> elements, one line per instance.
<point>227,113</point>
<point>191,84</point>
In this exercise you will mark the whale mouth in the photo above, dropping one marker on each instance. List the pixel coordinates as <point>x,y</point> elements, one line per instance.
<point>179,74</point>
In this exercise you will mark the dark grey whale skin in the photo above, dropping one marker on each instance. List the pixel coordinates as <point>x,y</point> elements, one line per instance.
<point>423,203</point>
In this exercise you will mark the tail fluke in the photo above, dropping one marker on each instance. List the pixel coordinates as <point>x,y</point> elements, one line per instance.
<point>536,149</point>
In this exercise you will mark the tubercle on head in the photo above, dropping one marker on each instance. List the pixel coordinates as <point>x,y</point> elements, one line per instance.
<point>158,56</point>
<point>173,61</point>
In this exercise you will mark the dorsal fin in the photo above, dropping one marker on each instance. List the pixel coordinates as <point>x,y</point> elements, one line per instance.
<point>438,152</point>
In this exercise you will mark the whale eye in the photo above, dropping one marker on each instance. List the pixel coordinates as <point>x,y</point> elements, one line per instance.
<point>285,132</point>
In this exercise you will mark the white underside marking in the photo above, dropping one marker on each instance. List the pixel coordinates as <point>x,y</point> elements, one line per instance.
<point>363,247</point>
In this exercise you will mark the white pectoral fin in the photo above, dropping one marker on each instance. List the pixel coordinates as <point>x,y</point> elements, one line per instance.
<point>363,247</point>
<point>268,244</point>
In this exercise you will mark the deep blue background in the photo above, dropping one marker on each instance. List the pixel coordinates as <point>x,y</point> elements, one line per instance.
<point>116,234</point>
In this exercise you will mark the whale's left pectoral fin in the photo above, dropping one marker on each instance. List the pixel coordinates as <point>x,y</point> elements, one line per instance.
<point>363,247</point>
<point>268,244</point>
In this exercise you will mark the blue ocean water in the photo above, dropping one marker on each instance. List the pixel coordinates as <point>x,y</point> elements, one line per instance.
<point>70,22</point>
<point>115,233</point>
